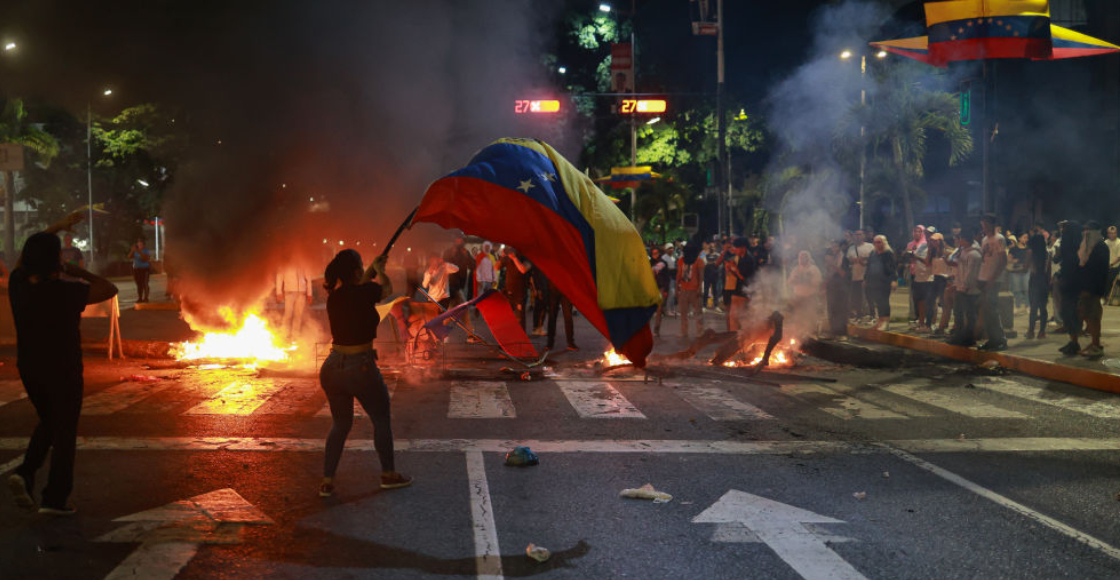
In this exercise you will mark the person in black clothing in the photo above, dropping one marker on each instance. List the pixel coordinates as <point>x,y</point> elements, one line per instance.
<point>539,289</point>
<point>745,270</point>
<point>516,283</point>
<point>1069,282</point>
<point>1093,256</point>
<point>458,284</point>
<point>836,272</point>
<point>879,279</point>
<point>350,371</point>
<point>661,276</point>
<point>1038,286</point>
<point>556,302</point>
<point>47,312</point>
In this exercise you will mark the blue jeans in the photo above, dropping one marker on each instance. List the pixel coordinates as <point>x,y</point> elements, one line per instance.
<point>345,377</point>
<point>1020,288</point>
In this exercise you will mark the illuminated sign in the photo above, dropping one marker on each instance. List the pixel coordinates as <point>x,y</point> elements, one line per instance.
<point>521,107</point>
<point>636,106</point>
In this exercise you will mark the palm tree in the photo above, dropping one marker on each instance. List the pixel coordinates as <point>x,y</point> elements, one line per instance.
<point>899,121</point>
<point>14,128</point>
<point>664,199</point>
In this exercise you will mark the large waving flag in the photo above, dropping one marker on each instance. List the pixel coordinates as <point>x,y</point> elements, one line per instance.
<point>522,193</point>
<point>961,30</point>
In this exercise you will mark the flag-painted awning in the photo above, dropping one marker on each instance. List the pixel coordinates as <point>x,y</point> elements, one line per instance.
<point>623,177</point>
<point>522,193</point>
<point>963,30</point>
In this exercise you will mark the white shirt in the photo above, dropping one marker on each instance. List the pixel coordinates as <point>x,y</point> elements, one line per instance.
<point>484,273</point>
<point>436,280</point>
<point>1113,251</point>
<point>293,279</point>
<point>922,272</point>
<point>861,251</point>
<point>994,253</point>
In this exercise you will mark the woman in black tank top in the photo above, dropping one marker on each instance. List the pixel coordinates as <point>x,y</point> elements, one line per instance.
<point>350,372</point>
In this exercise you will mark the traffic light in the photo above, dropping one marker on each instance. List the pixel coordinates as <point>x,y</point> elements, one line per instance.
<point>531,107</point>
<point>642,106</point>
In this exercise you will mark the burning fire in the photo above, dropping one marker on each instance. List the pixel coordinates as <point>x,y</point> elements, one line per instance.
<point>613,359</point>
<point>252,343</point>
<point>781,356</point>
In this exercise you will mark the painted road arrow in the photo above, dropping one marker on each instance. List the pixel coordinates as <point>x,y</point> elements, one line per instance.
<point>169,536</point>
<point>782,527</point>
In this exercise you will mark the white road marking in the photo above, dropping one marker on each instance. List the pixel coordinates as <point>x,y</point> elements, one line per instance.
<point>239,398</point>
<point>593,400</point>
<point>1006,444</point>
<point>782,527</point>
<point>1107,408</point>
<point>953,400</point>
<point>10,465</point>
<point>120,397</point>
<point>841,405</point>
<point>390,384</point>
<point>488,557</point>
<point>718,405</point>
<point>155,561</point>
<point>11,391</point>
<point>480,400</point>
<point>986,493</point>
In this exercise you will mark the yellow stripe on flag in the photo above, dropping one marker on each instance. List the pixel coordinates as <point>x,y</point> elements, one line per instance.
<point>938,12</point>
<point>1073,36</point>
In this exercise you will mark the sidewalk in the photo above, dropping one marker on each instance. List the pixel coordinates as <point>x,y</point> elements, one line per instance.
<point>1037,357</point>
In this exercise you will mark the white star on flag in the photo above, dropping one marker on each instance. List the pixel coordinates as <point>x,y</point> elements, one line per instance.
<point>549,177</point>
<point>526,185</point>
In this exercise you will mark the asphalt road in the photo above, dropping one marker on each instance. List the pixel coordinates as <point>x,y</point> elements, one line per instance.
<point>927,471</point>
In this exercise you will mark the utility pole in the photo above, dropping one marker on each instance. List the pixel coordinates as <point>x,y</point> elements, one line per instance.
<point>89,183</point>
<point>721,160</point>
<point>633,116</point>
<point>862,138</point>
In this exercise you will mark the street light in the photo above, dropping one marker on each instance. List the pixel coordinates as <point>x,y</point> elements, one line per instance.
<point>653,120</point>
<point>107,92</point>
<point>10,46</point>
<point>604,8</point>
<point>846,54</point>
<point>89,176</point>
<point>881,54</point>
<point>562,70</point>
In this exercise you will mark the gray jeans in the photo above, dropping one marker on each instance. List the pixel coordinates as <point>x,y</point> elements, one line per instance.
<point>345,377</point>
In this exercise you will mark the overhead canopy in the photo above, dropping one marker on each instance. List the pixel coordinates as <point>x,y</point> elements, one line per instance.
<point>964,30</point>
<point>623,177</point>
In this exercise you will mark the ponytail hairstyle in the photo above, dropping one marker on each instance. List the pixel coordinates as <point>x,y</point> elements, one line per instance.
<point>41,255</point>
<point>341,269</point>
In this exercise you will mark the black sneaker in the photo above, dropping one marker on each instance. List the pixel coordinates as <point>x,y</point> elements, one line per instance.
<point>394,480</point>
<point>1071,348</point>
<point>62,511</point>
<point>993,346</point>
<point>19,490</point>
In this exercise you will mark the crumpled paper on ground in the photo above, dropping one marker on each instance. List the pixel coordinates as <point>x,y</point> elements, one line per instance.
<point>647,492</point>
<point>537,553</point>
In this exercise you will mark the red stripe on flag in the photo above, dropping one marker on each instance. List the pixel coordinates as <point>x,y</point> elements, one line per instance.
<point>505,327</point>
<point>984,48</point>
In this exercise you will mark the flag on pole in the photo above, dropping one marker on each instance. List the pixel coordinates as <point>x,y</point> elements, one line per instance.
<point>522,193</point>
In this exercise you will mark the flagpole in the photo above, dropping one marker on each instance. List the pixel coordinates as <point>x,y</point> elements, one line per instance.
<point>400,229</point>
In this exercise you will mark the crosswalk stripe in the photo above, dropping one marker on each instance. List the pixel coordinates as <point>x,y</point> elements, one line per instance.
<point>120,397</point>
<point>480,400</point>
<point>239,398</point>
<point>325,411</point>
<point>1105,409</point>
<point>718,405</point>
<point>593,400</point>
<point>11,391</point>
<point>953,401</point>
<point>841,405</point>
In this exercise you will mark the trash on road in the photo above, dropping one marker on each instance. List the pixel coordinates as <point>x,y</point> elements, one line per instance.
<point>860,495</point>
<point>886,475</point>
<point>141,379</point>
<point>521,457</point>
<point>537,553</point>
<point>1112,363</point>
<point>647,492</point>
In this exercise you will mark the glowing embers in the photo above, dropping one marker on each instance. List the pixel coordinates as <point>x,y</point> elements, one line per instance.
<point>784,355</point>
<point>251,344</point>
<point>613,359</point>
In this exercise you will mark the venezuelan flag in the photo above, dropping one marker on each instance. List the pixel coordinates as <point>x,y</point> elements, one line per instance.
<point>522,193</point>
<point>961,30</point>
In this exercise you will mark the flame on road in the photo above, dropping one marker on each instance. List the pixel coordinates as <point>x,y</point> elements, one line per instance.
<point>251,344</point>
<point>613,359</point>
<point>782,356</point>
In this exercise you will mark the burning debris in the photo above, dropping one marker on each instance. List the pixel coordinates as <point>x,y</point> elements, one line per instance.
<point>249,344</point>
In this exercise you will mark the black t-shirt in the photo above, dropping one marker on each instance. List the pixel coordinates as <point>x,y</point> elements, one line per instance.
<point>459,256</point>
<point>747,269</point>
<point>47,317</point>
<point>352,310</point>
<point>515,280</point>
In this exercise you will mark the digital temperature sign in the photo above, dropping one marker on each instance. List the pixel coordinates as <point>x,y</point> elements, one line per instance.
<point>529,107</point>
<point>642,106</point>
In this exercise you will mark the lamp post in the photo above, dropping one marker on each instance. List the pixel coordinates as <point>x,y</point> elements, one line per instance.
<point>89,176</point>
<point>846,55</point>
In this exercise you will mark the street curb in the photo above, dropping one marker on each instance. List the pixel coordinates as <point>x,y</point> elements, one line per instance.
<point>1046,370</point>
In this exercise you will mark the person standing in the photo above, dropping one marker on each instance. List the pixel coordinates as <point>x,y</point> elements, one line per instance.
<point>836,275</point>
<point>485,269</point>
<point>1018,271</point>
<point>1113,244</point>
<point>709,298</point>
<point>141,268</point>
<point>805,288</point>
<point>558,301</point>
<point>921,279</point>
<point>994,255</point>
<point>935,260</point>
<point>661,277</point>
<point>459,283</point>
<point>690,273</point>
<point>967,289</point>
<point>745,271</point>
<point>879,280</point>
<point>1070,285</point>
<point>1054,249</point>
<point>293,290</point>
<point>1093,256</point>
<point>539,287</point>
<point>726,263</point>
<point>516,284</point>
<point>858,253</point>
<point>47,312</point>
<point>437,279</point>
<point>350,371</point>
<point>1038,285</point>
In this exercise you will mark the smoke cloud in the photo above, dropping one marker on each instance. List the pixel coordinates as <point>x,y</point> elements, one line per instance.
<point>363,106</point>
